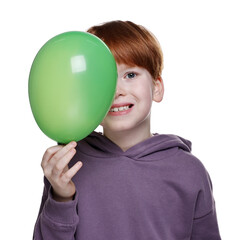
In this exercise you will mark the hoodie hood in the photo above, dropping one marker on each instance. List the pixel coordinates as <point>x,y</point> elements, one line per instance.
<point>156,147</point>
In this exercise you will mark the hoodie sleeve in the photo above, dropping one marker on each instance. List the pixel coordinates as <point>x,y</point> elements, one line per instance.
<point>205,225</point>
<point>56,220</point>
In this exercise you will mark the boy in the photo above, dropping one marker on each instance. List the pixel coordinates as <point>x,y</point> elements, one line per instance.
<point>132,185</point>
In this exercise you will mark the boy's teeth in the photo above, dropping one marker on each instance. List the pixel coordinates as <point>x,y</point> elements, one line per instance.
<point>119,109</point>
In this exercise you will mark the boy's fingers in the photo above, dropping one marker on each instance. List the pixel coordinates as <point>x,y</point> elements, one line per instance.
<point>71,172</point>
<point>59,154</point>
<point>59,167</point>
<point>49,153</point>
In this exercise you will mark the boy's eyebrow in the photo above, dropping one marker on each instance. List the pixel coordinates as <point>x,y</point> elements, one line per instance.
<point>131,68</point>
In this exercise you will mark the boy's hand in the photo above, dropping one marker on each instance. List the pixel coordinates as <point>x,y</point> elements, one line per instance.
<point>55,166</point>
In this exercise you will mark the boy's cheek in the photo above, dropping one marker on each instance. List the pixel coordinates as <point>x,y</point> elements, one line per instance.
<point>102,123</point>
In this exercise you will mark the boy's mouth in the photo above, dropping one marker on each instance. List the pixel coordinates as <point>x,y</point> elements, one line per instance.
<point>120,108</point>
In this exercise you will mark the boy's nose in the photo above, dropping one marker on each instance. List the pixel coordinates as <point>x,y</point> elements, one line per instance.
<point>119,89</point>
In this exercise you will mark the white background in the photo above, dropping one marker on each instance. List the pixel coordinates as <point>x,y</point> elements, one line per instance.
<point>201,44</point>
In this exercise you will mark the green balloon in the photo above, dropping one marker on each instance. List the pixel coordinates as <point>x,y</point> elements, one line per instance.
<point>72,85</point>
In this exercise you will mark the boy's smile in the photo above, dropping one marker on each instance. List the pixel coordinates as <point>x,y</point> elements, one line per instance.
<point>120,109</point>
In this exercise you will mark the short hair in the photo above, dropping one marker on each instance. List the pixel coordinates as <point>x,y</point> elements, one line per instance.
<point>131,44</point>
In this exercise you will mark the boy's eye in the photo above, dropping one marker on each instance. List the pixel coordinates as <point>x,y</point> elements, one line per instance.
<point>130,75</point>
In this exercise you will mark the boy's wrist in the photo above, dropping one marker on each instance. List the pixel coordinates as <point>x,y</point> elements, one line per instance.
<point>58,198</point>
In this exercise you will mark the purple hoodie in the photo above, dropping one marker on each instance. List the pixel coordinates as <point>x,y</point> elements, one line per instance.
<point>156,190</point>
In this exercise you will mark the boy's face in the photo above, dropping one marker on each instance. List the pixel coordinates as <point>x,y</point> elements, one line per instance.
<point>136,89</point>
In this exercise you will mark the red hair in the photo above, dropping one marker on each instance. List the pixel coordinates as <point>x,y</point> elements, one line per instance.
<point>131,44</point>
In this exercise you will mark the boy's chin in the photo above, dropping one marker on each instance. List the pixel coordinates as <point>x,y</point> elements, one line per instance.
<point>118,128</point>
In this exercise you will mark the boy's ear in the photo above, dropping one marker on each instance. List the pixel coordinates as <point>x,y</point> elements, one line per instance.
<point>158,90</point>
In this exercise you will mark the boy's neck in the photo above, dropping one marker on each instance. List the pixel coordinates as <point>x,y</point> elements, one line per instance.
<point>129,138</point>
